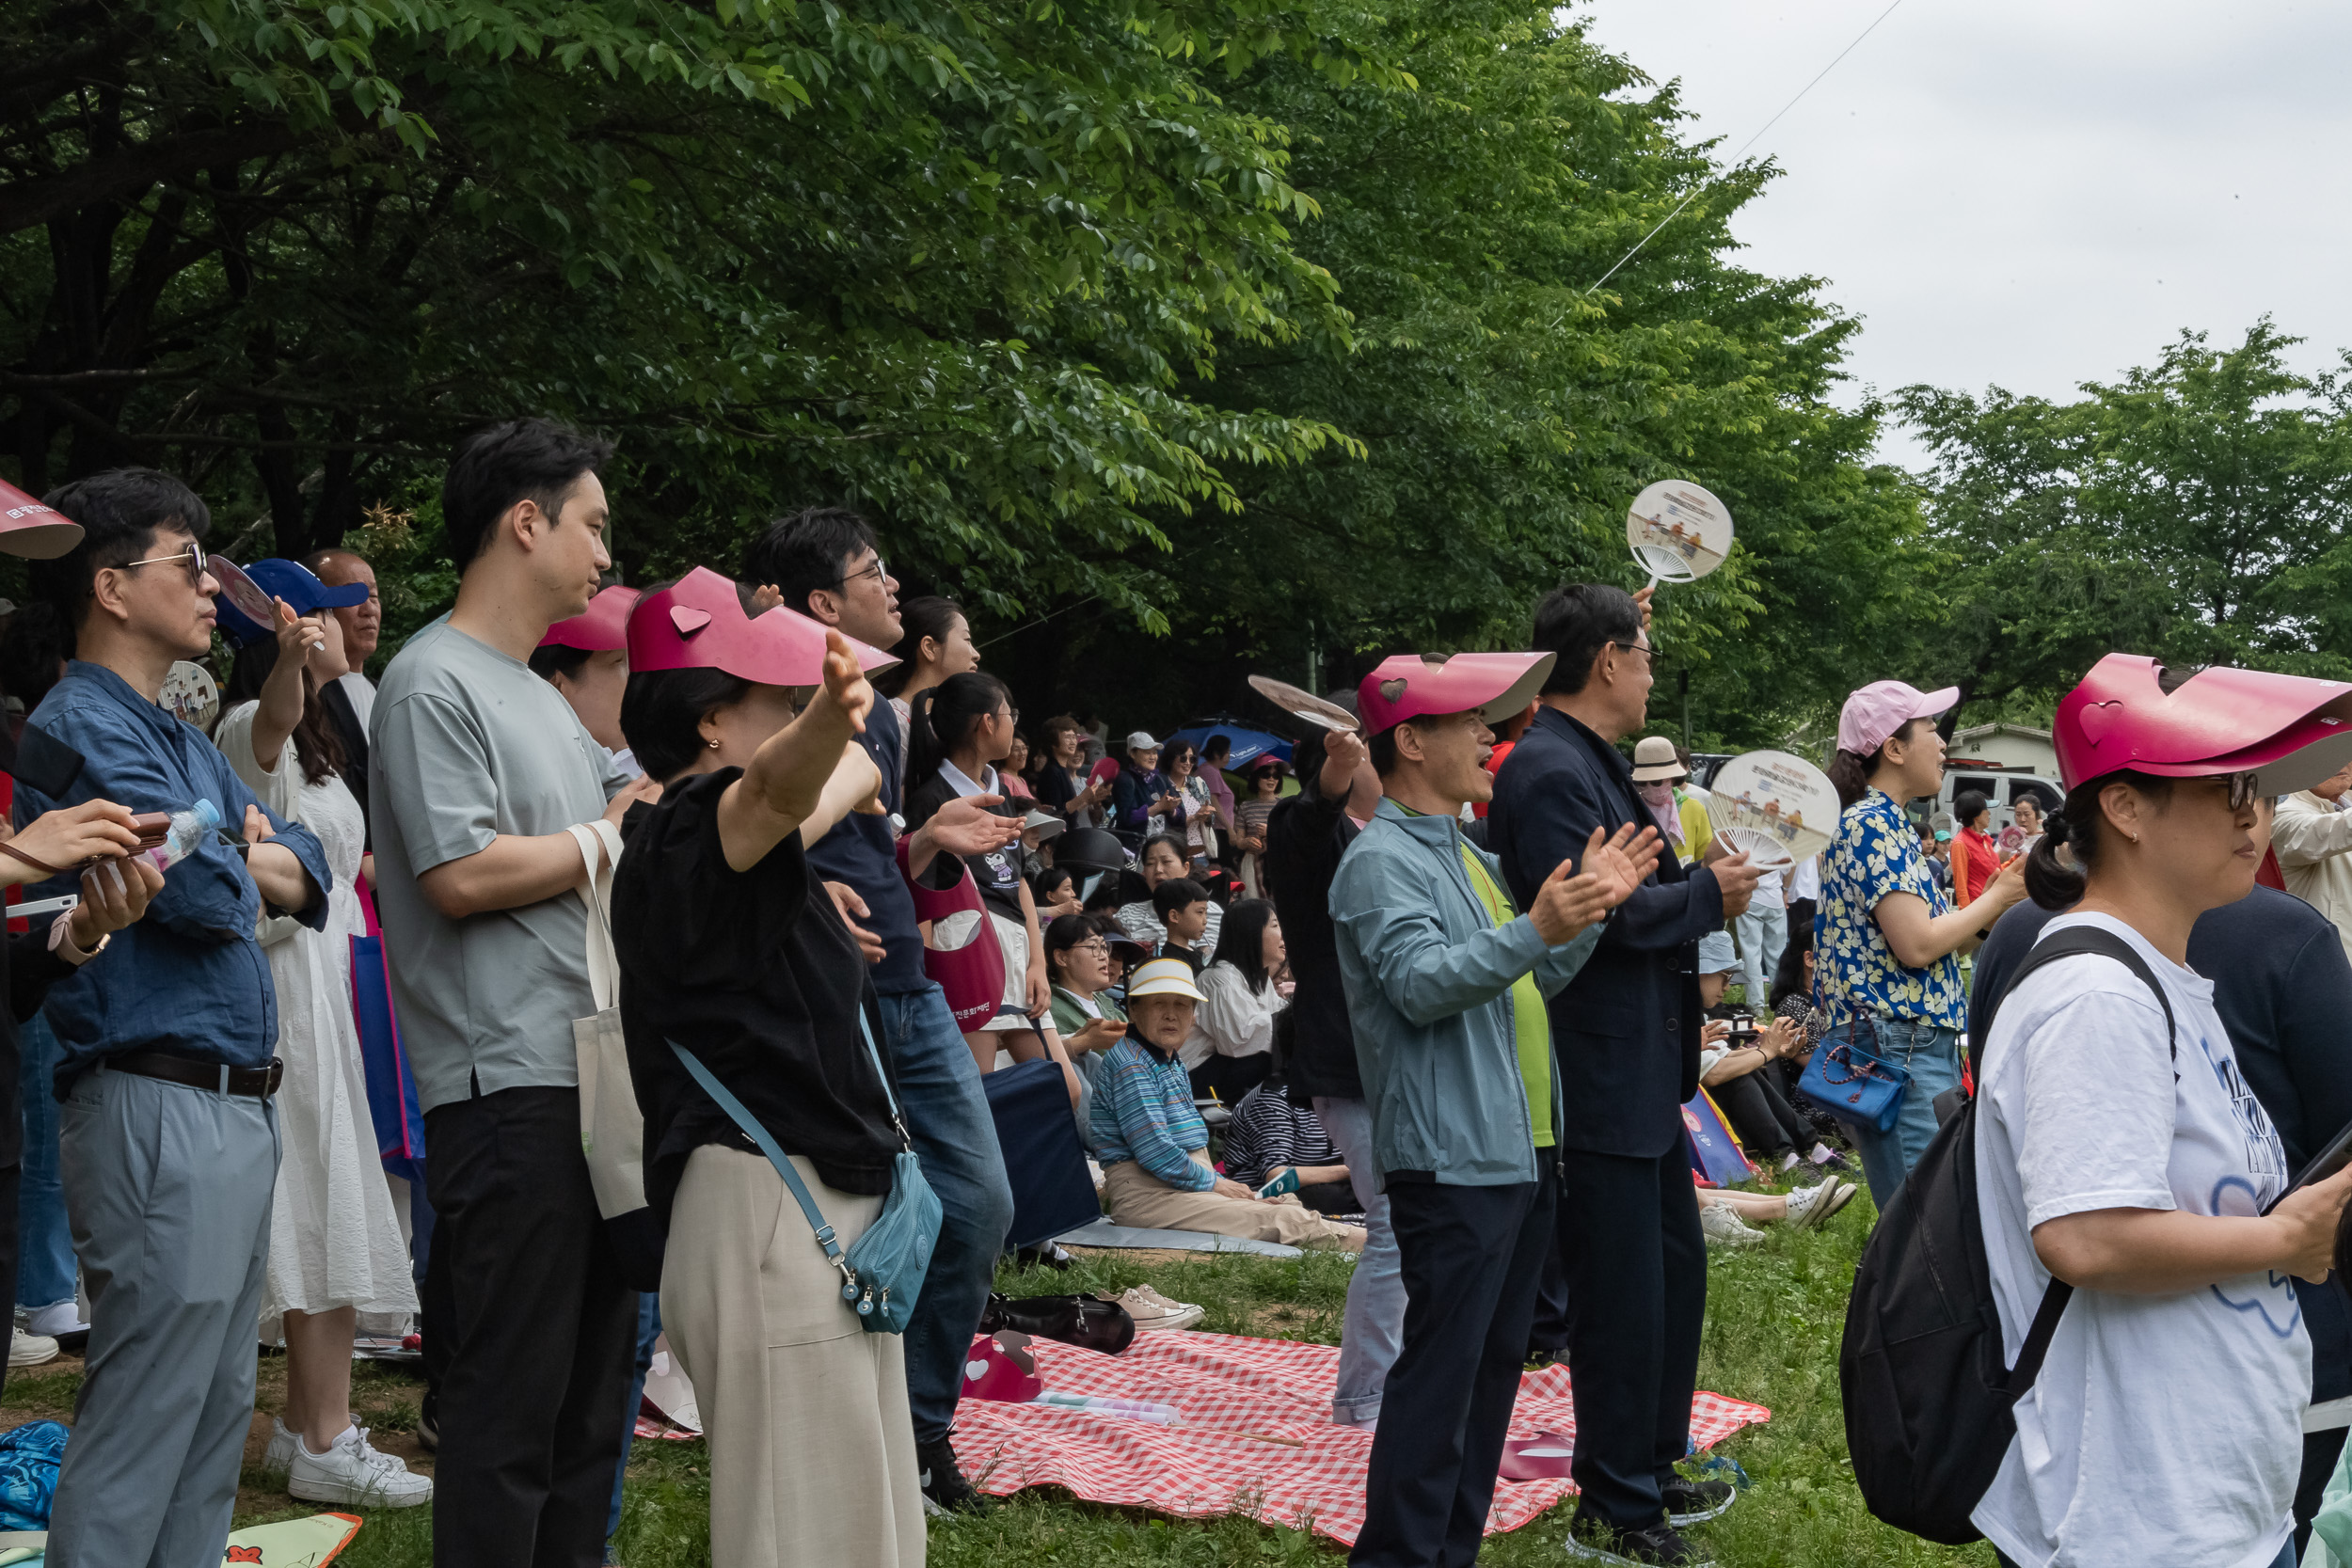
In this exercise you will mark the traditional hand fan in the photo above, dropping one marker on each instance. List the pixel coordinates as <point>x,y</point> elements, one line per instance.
<point>1679,532</point>
<point>1303,704</point>
<point>1780,808</point>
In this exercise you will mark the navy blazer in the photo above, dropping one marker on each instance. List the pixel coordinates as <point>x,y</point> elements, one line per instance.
<point>1626,1030</point>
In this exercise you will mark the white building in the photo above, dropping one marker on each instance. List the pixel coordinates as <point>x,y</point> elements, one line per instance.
<point>2017,747</point>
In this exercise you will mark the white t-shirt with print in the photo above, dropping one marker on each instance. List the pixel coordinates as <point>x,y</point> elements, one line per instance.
<point>2163,1428</point>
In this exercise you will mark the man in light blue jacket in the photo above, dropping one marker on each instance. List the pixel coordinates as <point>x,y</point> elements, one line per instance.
<point>1445,981</point>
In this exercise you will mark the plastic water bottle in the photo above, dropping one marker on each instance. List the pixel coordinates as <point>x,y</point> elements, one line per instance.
<point>189,829</point>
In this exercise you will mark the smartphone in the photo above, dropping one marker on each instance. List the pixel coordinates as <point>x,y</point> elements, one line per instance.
<point>152,826</point>
<point>2323,1164</point>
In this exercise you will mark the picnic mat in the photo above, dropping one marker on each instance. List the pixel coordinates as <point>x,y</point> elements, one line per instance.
<point>1255,1436</point>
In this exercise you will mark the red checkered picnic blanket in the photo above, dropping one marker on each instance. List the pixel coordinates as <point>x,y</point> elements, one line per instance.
<point>1255,1436</point>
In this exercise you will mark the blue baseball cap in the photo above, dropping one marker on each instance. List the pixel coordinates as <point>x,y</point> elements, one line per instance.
<point>247,617</point>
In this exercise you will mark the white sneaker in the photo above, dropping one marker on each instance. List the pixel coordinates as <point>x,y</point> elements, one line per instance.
<point>352,1473</point>
<point>1810,1206</point>
<point>1721,1225</point>
<point>61,1322</point>
<point>1152,1310</point>
<point>31,1349</point>
<point>279,1457</point>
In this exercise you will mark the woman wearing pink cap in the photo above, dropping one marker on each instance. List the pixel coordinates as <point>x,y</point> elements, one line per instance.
<point>2126,1172</point>
<point>1885,940</point>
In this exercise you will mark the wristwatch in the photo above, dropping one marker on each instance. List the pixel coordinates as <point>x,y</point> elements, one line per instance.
<point>62,943</point>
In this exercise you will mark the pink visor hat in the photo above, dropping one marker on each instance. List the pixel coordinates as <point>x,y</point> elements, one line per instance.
<point>1881,708</point>
<point>32,530</point>
<point>599,628</point>
<point>1415,685</point>
<point>698,623</point>
<point>2293,730</point>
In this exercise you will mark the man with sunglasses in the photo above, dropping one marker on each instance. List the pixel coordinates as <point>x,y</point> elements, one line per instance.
<point>1625,1291</point>
<point>168,1143</point>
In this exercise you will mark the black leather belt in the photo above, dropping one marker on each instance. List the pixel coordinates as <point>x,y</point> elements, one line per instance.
<point>259,1081</point>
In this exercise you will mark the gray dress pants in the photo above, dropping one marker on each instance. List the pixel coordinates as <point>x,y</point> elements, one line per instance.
<point>168,1189</point>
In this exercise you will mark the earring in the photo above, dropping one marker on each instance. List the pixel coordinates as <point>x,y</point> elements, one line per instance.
<point>714,746</point>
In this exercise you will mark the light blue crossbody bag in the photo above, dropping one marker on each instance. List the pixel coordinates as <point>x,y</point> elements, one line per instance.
<point>881,1272</point>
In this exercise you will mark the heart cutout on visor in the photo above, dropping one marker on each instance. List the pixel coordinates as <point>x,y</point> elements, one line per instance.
<point>2096,718</point>
<point>688,619</point>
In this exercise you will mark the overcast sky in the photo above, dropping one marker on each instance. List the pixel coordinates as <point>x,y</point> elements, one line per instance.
<point>2032,193</point>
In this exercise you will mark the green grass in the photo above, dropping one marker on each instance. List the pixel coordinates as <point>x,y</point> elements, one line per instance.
<point>1773,1318</point>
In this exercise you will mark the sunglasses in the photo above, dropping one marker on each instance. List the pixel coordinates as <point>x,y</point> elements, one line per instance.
<point>193,555</point>
<point>2242,787</point>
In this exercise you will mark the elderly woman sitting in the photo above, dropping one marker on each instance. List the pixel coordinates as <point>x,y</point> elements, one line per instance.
<point>1153,1145</point>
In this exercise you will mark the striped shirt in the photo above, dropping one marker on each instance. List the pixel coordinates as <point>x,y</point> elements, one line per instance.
<point>1268,1131</point>
<point>1143,1112</point>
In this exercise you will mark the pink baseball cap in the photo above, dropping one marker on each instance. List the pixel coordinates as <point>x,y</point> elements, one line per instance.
<point>602,626</point>
<point>698,623</point>
<point>1414,685</point>
<point>1881,708</point>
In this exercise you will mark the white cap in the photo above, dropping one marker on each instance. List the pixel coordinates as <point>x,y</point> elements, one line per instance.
<point>1141,741</point>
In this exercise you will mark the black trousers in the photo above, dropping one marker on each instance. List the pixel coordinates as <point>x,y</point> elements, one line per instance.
<point>543,1332</point>
<point>1625,1294</point>
<point>1471,1256</point>
<point>1761,1114</point>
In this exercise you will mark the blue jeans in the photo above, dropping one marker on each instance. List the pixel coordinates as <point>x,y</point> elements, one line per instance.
<point>648,1330</point>
<point>44,1267</point>
<point>946,1114</point>
<point>1373,1329</point>
<point>1932,1056</point>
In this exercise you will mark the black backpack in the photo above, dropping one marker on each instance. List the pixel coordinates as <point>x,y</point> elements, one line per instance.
<point>1928,1398</point>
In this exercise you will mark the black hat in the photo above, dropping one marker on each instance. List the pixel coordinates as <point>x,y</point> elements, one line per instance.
<point>1089,849</point>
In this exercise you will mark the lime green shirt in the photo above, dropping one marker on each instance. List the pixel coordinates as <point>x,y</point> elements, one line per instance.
<point>1527,1010</point>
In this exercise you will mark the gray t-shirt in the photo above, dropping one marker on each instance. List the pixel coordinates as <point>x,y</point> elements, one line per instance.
<point>466,744</point>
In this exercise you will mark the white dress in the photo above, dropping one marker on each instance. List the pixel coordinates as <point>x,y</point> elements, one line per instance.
<point>333,1239</point>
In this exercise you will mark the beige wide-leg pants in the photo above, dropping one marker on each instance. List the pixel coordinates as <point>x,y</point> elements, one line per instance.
<point>812,1447</point>
<point>1137,1197</point>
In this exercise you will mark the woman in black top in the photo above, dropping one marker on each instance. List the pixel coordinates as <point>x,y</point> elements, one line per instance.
<point>957,731</point>
<point>729,947</point>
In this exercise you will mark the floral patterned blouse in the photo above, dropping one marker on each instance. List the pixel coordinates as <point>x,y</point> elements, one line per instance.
<point>1876,853</point>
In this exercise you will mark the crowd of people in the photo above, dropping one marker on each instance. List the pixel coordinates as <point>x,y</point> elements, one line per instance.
<point>772,854</point>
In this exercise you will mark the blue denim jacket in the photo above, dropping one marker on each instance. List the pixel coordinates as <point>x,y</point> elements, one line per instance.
<point>188,979</point>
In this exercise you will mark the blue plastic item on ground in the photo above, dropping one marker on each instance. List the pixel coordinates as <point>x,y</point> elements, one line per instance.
<point>29,1457</point>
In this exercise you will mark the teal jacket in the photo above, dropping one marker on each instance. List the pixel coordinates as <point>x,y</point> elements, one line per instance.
<point>1429,981</point>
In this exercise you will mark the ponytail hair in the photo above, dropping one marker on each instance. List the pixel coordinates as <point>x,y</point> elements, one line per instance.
<point>942,718</point>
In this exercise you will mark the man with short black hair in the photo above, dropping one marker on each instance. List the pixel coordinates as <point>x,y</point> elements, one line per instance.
<point>168,1146</point>
<point>479,769</point>
<point>1627,1289</point>
<point>823,563</point>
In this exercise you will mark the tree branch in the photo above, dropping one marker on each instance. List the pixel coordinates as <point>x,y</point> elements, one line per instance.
<point>30,203</point>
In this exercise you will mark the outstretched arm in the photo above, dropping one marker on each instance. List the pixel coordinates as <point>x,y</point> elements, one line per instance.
<point>785,782</point>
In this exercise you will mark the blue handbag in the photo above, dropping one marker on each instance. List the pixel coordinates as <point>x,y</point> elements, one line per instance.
<point>881,1273</point>
<point>1846,1081</point>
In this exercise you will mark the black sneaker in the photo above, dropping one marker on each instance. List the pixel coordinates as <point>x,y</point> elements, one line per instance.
<point>1694,1502</point>
<point>945,1489</point>
<point>1592,1540</point>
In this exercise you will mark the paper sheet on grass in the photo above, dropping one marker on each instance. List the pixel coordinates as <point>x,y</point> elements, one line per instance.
<point>1103,1233</point>
<point>1255,1439</point>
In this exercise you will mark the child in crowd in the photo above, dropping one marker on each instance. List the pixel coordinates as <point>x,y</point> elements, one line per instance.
<point>1163,859</point>
<point>1181,906</point>
<point>1153,1145</point>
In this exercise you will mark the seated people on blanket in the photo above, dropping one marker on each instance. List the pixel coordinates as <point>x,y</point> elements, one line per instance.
<point>1733,1070</point>
<point>1445,981</point>
<point>1153,1145</point>
<point>1271,1139</point>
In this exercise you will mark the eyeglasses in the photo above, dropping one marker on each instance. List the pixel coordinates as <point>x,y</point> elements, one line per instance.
<point>193,555</point>
<point>877,571</point>
<point>1642,648</point>
<point>1099,949</point>
<point>2242,787</point>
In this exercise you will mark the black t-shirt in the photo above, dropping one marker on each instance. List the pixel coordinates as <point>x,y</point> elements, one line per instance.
<point>754,972</point>
<point>997,873</point>
<point>1305,837</point>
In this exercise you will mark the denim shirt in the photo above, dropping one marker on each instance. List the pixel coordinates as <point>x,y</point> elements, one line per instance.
<point>189,979</point>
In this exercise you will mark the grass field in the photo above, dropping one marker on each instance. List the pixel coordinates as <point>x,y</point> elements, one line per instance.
<point>1774,1316</point>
